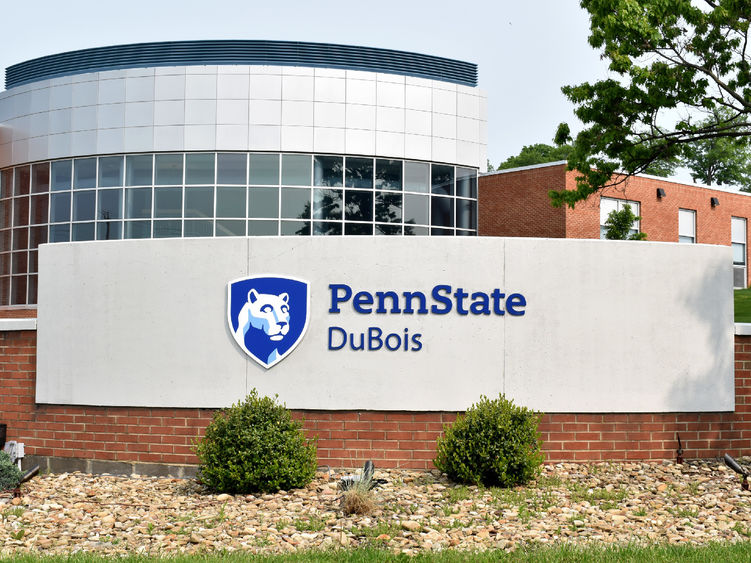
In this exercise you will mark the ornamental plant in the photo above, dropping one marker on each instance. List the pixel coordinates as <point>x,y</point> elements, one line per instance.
<point>255,446</point>
<point>10,474</point>
<point>495,443</point>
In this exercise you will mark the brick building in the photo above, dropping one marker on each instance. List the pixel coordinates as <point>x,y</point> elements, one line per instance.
<point>515,203</point>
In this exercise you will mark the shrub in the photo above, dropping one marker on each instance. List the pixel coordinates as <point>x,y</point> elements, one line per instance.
<point>255,446</point>
<point>10,475</point>
<point>494,444</point>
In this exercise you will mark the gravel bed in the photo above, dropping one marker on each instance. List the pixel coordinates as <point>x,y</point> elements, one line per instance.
<point>696,502</point>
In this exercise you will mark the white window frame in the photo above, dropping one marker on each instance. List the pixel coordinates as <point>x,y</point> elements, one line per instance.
<point>738,234</point>
<point>609,204</point>
<point>687,226</point>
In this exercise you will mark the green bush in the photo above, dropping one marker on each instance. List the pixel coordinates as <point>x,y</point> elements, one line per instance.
<point>494,444</point>
<point>10,475</point>
<point>255,446</point>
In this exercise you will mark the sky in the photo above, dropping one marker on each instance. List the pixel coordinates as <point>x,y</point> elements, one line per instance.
<point>525,51</point>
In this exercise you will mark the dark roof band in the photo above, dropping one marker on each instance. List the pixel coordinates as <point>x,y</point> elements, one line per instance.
<point>241,52</point>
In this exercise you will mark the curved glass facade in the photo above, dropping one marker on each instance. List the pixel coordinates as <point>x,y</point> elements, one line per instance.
<point>167,195</point>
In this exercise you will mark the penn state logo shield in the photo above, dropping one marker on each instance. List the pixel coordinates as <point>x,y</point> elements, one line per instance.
<point>268,315</point>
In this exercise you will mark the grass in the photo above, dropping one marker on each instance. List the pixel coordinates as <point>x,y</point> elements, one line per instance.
<point>742,305</point>
<point>714,553</point>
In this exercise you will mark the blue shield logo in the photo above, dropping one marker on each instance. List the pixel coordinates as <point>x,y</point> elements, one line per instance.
<point>268,315</point>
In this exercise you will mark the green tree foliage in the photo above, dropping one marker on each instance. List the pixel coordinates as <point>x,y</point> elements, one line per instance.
<point>538,153</point>
<point>495,443</point>
<point>719,160</point>
<point>620,223</point>
<point>255,446</point>
<point>672,60</point>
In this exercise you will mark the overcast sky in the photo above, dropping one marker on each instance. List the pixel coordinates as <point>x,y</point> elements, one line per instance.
<point>525,51</point>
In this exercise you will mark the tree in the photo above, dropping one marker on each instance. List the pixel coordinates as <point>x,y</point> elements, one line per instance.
<point>619,225</point>
<point>719,160</point>
<point>539,153</point>
<point>677,61</point>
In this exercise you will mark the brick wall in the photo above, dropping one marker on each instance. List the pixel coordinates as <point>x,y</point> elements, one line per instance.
<point>348,438</point>
<point>516,204</point>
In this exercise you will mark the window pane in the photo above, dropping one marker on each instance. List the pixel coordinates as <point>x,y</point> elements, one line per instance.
<point>359,173</point>
<point>388,174</point>
<point>466,214</point>
<point>326,228</point>
<point>738,230</point>
<point>137,229</point>
<point>411,230</point>
<point>167,229</point>
<point>416,177</point>
<point>83,231</point>
<point>199,202</point>
<point>40,178</point>
<point>5,264</point>
<point>739,254</point>
<point>21,238</point>
<point>138,170</point>
<point>263,228</point>
<point>607,206</point>
<point>60,233</point>
<point>295,203</point>
<point>199,168</point>
<point>169,169</point>
<point>231,168</point>
<point>109,230</point>
<point>466,233</point>
<point>18,290</point>
<point>20,263</point>
<point>20,211</point>
<point>416,209</point>
<point>388,207</point>
<point>4,291</point>
<point>686,223</point>
<point>230,228</point>
<point>466,182</point>
<point>168,202</point>
<point>264,202</point>
<point>138,203</point>
<point>84,173</point>
<point>358,229</point>
<point>442,179</point>
<point>61,174</point>
<point>83,206</point>
<point>292,228</point>
<point>442,209</point>
<point>37,236</point>
<point>34,261</point>
<point>296,169</point>
<point>5,237</point>
<point>6,182</point>
<point>6,211</point>
<point>230,202</point>
<point>441,232</point>
<point>198,228</point>
<point>264,169</point>
<point>110,171</point>
<point>39,209</point>
<point>358,206</point>
<point>110,205</point>
<point>328,171</point>
<point>388,229</point>
<point>22,180</point>
<point>327,204</point>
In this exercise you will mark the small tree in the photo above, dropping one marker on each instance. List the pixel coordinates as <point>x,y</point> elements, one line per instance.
<point>620,225</point>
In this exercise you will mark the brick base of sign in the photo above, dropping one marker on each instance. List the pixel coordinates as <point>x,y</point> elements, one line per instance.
<point>125,439</point>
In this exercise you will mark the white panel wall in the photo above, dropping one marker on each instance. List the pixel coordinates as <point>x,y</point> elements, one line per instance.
<point>609,326</point>
<point>243,108</point>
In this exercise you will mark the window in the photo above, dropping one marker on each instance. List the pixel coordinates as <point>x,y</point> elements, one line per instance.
<point>609,204</point>
<point>686,225</point>
<point>738,242</point>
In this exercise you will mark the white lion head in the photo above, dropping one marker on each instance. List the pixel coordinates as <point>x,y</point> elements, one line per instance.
<point>269,313</point>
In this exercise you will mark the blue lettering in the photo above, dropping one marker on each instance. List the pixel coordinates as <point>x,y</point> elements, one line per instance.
<point>343,333</point>
<point>514,301</point>
<point>480,304</point>
<point>374,338</point>
<point>460,294</point>
<point>417,345</point>
<point>362,298</point>
<point>335,299</point>
<point>435,309</point>
<point>382,295</point>
<point>408,296</point>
